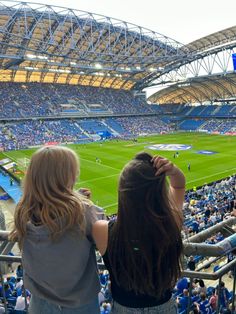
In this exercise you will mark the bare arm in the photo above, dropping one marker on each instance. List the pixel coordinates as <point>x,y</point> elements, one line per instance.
<point>177,187</point>
<point>176,176</point>
<point>100,235</point>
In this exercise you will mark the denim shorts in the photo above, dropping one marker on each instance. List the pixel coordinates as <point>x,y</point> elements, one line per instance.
<point>40,306</point>
<point>170,307</point>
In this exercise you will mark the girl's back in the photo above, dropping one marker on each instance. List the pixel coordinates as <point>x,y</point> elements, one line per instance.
<point>53,228</point>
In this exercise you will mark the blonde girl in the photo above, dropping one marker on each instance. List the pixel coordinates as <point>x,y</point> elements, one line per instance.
<point>53,228</point>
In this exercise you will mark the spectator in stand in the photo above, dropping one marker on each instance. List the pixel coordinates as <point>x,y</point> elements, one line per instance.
<point>183,301</point>
<point>8,290</point>
<point>204,305</point>
<point>143,269</point>
<point>224,296</point>
<point>22,290</point>
<point>202,288</point>
<point>53,227</point>
<point>182,284</point>
<point>105,308</point>
<point>191,263</point>
<point>213,300</point>
<point>195,296</point>
<point>195,226</point>
<point>11,282</point>
<point>19,283</point>
<point>21,301</point>
<point>19,271</point>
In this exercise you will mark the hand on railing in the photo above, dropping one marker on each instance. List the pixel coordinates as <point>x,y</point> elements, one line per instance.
<point>233,213</point>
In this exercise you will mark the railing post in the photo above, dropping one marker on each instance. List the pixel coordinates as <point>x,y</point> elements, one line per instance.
<point>3,292</point>
<point>218,299</point>
<point>25,295</point>
<point>234,286</point>
<point>190,294</point>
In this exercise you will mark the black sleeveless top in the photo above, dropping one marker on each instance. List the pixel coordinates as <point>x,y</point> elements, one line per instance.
<point>130,298</point>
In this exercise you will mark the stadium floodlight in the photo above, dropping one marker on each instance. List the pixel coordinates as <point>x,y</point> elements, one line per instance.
<point>31,68</point>
<point>31,56</point>
<point>152,69</point>
<point>59,71</point>
<point>42,57</point>
<point>98,66</point>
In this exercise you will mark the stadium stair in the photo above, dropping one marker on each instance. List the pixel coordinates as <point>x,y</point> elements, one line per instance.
<point>83,131</point>
<point>114,133</point>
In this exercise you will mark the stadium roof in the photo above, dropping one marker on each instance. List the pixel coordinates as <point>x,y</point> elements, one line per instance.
<point>42,43</point>
<point>207,75</point>
<point>222,37</point>
<point>198,90</point>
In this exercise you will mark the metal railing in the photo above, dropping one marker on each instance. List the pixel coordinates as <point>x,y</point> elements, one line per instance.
<point>192,246</point>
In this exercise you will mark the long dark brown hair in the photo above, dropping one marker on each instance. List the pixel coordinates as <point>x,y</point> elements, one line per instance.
<point>145,244</point>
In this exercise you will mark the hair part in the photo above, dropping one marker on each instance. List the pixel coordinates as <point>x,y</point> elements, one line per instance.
<point>48,197</point>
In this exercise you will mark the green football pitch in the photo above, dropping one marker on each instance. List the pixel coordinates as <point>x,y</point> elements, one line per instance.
<point>102,177</point>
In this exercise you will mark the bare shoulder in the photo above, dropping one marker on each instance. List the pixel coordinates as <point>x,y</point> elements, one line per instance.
<point>100,235</point>
<point>100,225</point>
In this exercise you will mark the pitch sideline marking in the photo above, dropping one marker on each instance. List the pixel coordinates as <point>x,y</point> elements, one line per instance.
<point>212,175</point>
<point>82,182</point>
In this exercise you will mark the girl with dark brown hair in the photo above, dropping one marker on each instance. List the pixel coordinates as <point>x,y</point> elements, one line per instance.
<point>142,248</point>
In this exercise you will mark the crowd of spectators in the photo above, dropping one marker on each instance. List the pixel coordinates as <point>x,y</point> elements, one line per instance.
<point>219,126</point>
<point>16,296</point>
<point>143,125</point>
<point>24,134</point>
<point>209,205</point>
<point>22,100</point>
<point>18,100</point>
<point>203,299</point>
<point>32,133</point>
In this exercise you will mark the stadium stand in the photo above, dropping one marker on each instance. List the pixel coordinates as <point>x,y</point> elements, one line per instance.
<point>34,110</point>
<point>190,125</point>
<point>19,100</point>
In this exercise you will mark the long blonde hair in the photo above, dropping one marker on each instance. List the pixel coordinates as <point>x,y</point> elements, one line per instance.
<point>48,197</point>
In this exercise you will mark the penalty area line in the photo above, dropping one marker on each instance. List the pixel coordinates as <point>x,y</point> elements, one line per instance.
<point>102,165</point>
<point>97,179</point>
